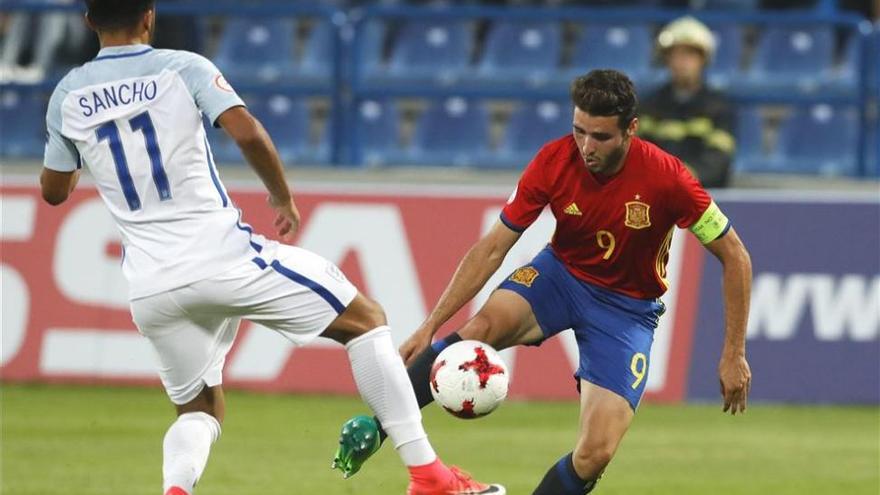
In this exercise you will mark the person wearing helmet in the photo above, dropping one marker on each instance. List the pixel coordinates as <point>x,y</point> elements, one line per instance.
<point>684,116</point>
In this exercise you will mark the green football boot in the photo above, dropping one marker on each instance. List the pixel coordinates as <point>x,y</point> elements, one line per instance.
<point>358,441</point>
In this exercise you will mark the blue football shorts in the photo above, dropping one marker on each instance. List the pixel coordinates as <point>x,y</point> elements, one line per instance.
<point>614,332</point>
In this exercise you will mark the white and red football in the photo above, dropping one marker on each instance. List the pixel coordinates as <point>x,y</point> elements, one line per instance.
<point>469,379</point>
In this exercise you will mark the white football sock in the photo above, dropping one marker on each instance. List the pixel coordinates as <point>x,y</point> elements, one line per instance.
<point>186,448</point>
<point>384,385</point>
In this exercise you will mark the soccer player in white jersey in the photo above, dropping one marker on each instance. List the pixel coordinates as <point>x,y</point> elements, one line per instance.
<point>133,116</point>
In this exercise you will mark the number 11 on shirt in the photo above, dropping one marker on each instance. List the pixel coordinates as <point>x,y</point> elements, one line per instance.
<point>142,122</point>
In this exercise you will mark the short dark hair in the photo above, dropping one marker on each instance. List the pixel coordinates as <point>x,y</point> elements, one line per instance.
<point>606,93</point>
<point>111,15</point>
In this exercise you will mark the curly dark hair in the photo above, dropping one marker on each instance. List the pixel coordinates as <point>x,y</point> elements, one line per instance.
<point>606,93</point>
<point>112,15</point>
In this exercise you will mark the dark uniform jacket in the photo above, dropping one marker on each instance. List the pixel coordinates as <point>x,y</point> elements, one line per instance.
<point>697,130</point>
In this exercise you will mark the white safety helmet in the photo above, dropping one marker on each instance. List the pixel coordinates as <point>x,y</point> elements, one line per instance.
<point>690,32</point>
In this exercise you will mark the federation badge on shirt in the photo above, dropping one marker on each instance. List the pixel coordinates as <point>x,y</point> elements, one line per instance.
<point>637,214</point>
<point>221,83</point>
<point>524,276</point>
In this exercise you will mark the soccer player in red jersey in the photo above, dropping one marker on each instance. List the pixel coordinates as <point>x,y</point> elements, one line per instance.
<point>617,200</point>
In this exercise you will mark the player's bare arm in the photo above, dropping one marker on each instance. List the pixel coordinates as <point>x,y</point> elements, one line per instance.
<point>57,186</point>
<point>261,155</point>
<point>733,370</point>
<point>475,269</point>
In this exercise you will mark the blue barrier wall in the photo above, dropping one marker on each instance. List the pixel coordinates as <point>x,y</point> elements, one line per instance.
<point>814,332</point>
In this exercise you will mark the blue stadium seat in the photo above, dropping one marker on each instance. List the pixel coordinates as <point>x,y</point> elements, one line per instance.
<point>432,51</point>
<point>750,153</point>
<point>725,65</point>
<point>378,126</point>
<point>454,131</point>
<point>625,47</point>
<point>521,52</point>
<point>287,121</point>
<point>845,77</point>
<point>872,151</point>
<point>317,61</point>
<point>223,149</point>
<point>531,126</point>
<point>368,51</point>
<point>792,59</point>
<point>819,139</point>
<point>874,63</point>
<point>22,123</point>
<point>257,50</point>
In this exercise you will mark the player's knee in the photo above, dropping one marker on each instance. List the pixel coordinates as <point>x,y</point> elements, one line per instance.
<point>209,401</point>
<point>590,460</point>
<point>373,314</point>
<point>478,328</point>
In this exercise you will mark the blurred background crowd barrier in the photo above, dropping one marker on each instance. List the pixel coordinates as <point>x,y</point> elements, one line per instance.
<point>813,335</point>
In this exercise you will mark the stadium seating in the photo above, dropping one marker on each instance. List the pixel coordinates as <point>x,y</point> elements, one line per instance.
<point>454,131</point>
<point>427,51</point>
<point>22,123</point>
<point>368,52</point>
<point>819,139</point>
<point>287,120</point>
<point>845,76</point>
<point>317,60</point>
<point>872,151</point>
<point>625,47</point>
<point>725,65</point>
<point>378,127</point>
<point>257,50</point>
<point>792,59</point>
<point>521,52</point>
<point>873,68</point>
<point>789,57</point>
<point>750,153</point>
<point>530,126</point>
<point>223,148</point>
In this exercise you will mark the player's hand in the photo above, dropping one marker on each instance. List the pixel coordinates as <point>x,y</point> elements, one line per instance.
<point>415,344</point>
<point>736,381</point>
<point>287,219</point>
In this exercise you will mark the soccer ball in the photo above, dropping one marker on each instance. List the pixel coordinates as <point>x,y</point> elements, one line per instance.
<point>469,379</point>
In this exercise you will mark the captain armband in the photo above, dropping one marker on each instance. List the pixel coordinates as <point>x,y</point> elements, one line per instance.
<point>711,225</point>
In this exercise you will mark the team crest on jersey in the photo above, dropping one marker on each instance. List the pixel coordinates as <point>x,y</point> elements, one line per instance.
<point>223,84</point>
<point>637,215</point>
<point>524,276</point>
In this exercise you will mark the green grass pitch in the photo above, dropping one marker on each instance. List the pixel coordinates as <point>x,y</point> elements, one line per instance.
<point>102,441</point>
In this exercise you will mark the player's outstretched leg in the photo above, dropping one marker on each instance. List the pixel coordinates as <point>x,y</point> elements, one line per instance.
<point>361,436</point>
<point>382,381</point>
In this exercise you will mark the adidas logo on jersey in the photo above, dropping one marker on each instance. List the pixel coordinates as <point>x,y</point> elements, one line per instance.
<point>573,209</point>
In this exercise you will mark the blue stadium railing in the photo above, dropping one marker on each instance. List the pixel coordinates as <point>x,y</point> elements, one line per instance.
<point>347,85</point>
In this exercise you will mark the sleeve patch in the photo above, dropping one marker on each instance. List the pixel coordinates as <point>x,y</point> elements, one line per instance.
<point>221,83</point>
<point>711,225</point>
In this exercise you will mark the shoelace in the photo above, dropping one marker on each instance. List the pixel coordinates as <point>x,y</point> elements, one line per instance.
<point>463,477</point>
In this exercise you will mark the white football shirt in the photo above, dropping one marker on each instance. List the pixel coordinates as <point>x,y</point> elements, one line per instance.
<point>133,116</point>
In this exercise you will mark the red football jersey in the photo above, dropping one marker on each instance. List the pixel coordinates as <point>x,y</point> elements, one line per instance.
<point>612,232</point>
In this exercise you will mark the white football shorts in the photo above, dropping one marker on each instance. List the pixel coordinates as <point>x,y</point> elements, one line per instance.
<point>192,328</point>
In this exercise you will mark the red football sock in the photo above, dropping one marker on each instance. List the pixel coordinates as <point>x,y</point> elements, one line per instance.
<point>429,473</point>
